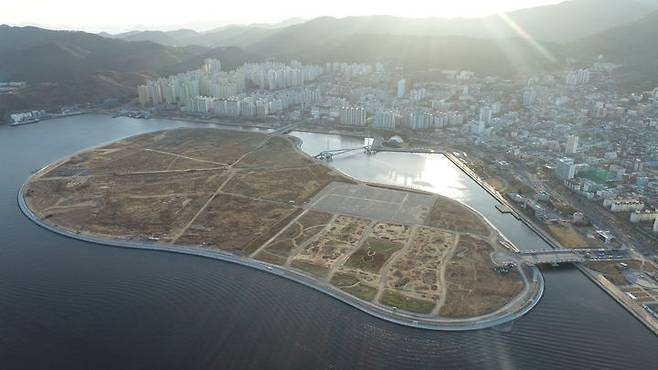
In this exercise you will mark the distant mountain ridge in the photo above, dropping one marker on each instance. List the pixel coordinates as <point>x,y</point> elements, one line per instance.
<point>560,23</point>
<point>65,67</point>
<point>632,45</point>
<point>229,35</point>
<point>508,58</point>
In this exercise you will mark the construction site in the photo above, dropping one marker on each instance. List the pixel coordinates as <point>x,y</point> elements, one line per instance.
<point>256,196</point>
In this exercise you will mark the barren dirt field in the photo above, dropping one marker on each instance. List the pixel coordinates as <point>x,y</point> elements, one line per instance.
<point>255,195</point>
<point>284,185</point>
<point>568,236</point>
<point>185,186</point>
<point>231,223</point>
<point>472,286</point>
<point>615,273</point>
<point>341,236</point>
<point>294,237</point>
<point>451,215</point>
<point>123,206</point>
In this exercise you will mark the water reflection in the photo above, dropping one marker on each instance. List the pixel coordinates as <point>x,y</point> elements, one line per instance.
<point>429,172</point>
<point>74,305</point>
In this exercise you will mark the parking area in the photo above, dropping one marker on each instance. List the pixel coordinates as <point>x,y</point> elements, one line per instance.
<point>374,202</point>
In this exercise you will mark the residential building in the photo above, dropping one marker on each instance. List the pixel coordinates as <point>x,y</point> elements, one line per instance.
<point>565,169</point>
<point>572,144</point>
<point>402,88</point>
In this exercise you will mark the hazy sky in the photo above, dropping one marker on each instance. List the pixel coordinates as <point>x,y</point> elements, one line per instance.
<point>121,15</point>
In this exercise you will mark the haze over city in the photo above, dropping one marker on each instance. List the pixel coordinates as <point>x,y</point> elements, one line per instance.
<point>201,15</point>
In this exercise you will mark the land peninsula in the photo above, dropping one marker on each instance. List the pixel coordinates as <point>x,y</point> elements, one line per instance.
<point>403,255</point>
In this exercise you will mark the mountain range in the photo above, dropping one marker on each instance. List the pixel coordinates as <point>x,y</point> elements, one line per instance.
<point>229,35</point>
<point>64,67</point>
<point>564,22</point>
<point>633,46</point>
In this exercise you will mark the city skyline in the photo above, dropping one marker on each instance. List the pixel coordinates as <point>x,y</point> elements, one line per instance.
<point>126,16</point>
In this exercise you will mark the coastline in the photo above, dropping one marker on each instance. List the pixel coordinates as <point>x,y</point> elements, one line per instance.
<point>618,295</point>
<point>519,306</point>
<point>317,129</point>
<point>50,117</point>
<point>598,279</point>
<point>241,125</point>
<point>483,322</point>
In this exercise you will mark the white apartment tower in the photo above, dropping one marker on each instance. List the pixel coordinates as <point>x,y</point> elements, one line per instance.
<point>572,144</point>
<point>565,169</point>
<point>385,120</point>
<point>353,116</point>
<point>402,88</point>
<point>486,114</point>
<point>212,66</point>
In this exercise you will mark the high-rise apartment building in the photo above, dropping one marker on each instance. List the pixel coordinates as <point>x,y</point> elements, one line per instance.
<point>386,120</point>
<point>486,114</point>
<point>402,88</point>
<point>572,144</point>
<point>565,169</point>
<point>353,116</point>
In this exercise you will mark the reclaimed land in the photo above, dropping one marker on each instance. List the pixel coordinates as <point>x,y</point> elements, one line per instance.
<point>258,197</point>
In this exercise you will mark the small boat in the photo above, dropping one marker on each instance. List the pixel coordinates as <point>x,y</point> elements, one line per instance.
<point>21,123</point>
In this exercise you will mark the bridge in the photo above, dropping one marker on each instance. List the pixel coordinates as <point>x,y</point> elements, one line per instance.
<point>558,256</point>
<point>373,146</point>
<point>329,155</point>
<point>408,150</point>
<point>285,129</point>
<point>370,146</point>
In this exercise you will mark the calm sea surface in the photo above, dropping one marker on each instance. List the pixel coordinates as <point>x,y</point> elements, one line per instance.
<point>67,304</point>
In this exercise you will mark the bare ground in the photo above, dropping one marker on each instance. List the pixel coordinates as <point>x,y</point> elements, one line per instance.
<point>245,193</point>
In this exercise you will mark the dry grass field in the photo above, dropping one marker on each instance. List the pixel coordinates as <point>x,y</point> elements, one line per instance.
<point>568,236</point>
<point>255,195</point>
<point>126,206</point>
<point>473,287</point>
<point>451,215</point>
<point>231,223</point>
<point>614,271</point>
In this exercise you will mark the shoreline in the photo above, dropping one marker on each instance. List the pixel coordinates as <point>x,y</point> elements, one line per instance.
<point>522,303</point>
<point>313,129</point>
<point>620,297</point>
<point>500,199</point>
<point>50,117</point>
<point>241,125</point>
<point>396,317</point>
<point>597,278</point>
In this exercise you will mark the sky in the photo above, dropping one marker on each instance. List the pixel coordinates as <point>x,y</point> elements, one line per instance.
<point>124,15</point>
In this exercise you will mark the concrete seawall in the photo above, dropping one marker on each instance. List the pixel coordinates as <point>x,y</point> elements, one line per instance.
<point>531,299</point>
<point>603,283</point>
<point>515,309</point>
<point>618,295</point>
<point>489,189</point>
